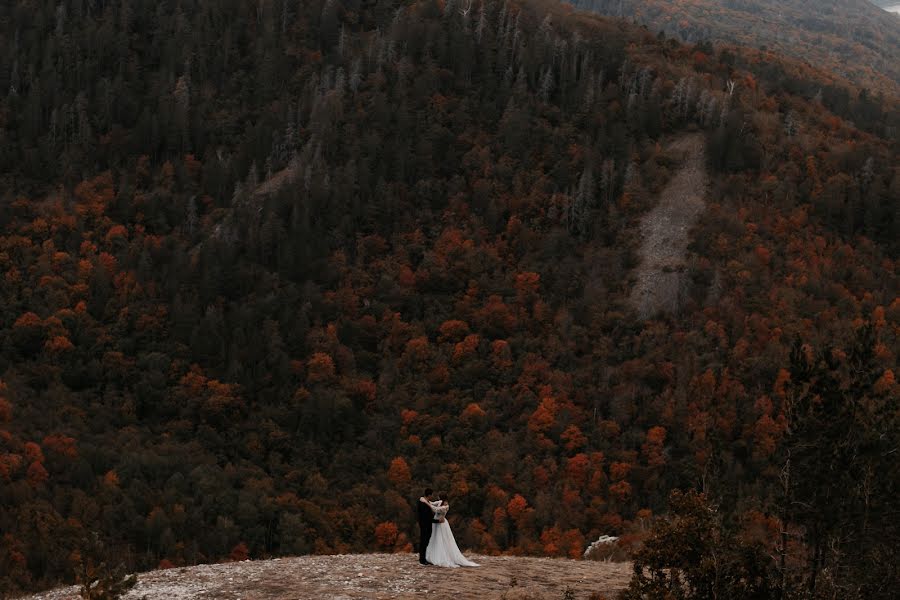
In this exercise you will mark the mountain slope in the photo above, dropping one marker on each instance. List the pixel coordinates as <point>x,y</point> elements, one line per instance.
<point>851,39</point>
<point>270,268</point>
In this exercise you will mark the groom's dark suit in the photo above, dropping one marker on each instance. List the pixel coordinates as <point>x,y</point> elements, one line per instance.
<point>426,518</point>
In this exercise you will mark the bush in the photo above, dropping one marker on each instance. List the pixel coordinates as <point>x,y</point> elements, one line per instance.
<point>690,556</point>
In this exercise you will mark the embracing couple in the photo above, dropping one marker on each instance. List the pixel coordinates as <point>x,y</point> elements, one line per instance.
<point>436,543</point>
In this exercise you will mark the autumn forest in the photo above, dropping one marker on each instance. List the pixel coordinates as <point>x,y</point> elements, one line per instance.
<point>268,268</point>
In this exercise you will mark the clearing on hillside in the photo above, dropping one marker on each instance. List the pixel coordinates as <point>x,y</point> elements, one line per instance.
<point>661,279</point>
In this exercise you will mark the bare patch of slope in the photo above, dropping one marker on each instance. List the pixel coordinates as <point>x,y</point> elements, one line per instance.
<point>661,284</point>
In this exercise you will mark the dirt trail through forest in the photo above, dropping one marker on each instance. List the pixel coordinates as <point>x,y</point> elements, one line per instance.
<point>661,279</point>
<point>376,577</point>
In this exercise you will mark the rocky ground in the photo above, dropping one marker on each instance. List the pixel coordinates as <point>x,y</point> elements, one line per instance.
<point>661,278</point>
<point>376,577</point>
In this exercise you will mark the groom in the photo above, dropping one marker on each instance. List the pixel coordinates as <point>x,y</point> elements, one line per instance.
<point>426,518</point>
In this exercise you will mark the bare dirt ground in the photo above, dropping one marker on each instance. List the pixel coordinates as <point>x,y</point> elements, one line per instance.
<point>661,278</point>
<point>376,577</point>
<point>280,179</point>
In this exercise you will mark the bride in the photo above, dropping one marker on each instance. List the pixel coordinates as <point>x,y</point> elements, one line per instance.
<point>442,549</point>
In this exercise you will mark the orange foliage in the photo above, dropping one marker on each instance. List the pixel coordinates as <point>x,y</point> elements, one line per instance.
<point>577,469</point>
<point>472,413</point>
<point>408,416</point>
<point>466,348</point>
<point>453,330</point>
<point>239,553</point>
<point>541,476</point>
<point>193,381</point>
<point>573,437</point>
<point>501,355</point>
<point>386,535</point>
<point>367,389</point>
<point>527,284</point>
<point>439,376</point>
<point>59,343</point>
<point>551,538</point>
<point>111,479</point>
<point>571,500</point>
<point>320,368</point>
<point>886,383</point>
<point>653,447</point>
<point>28,319</point>
<point>572,543</point>
<point>221,397</point>
<point>115,233</point>
<point>61,445</point>
<point>609,429</point>
<point>619,470</point>
<point>767,431</point>
<point>598,482</point>
<point>399,473</point>
<point>517,507</point>
<point>496,495</point>
<point>87,248</point>
<point>497,315</point>
<point>33,452</point>
<point>761,528</point>
<point>94,195</point>
<point>781,381</point>
<point>108,262</point>
<point>498,521</point>
<point>37,474</point>
<point>406,277</point>
<point>620,490</point>
<point>544,417</point>
<point>9,464</point>
<point>417,351</point>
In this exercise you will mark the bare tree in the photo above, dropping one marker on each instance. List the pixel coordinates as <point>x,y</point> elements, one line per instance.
<point>547,84</point>
<point>482,22</point>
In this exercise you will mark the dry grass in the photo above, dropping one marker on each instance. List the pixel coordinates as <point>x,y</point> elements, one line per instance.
<point>376,577</point>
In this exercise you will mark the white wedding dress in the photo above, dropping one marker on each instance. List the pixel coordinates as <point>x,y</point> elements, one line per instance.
<point>442,549</point>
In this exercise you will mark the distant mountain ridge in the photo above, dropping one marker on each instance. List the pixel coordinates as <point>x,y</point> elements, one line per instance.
<point>852,39</point>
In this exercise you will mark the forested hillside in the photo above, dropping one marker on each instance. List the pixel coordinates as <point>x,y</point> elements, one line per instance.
<point>269,268</point>
<point>849,40</point>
